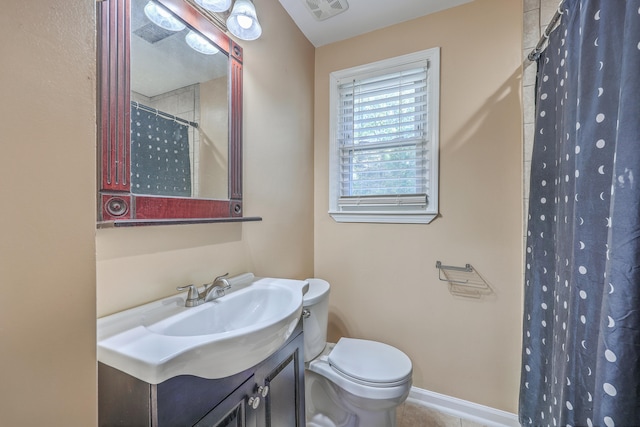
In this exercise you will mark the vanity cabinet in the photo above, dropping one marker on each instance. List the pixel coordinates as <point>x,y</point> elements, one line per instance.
<point>236,410</point>
<point>269,394</point>
<point>282,380</point>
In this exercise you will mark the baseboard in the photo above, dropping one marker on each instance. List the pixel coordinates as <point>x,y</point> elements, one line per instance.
<point>481,414</point>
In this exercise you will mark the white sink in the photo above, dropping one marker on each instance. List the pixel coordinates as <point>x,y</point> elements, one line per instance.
<point>164,339</point>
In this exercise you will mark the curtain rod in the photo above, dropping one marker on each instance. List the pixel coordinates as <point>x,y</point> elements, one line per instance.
<point>162,113</point>
<point>535,53</point>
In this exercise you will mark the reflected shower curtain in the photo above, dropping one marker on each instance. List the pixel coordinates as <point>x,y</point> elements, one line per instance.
<point>581,342</point>
<point>160,162</point>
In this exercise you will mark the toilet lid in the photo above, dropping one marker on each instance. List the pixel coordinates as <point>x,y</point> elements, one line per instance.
<point>317,290</point>
<point>370,361</point>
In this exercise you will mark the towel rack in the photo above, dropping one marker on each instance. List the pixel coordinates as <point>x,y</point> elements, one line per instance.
<point>463,281</point>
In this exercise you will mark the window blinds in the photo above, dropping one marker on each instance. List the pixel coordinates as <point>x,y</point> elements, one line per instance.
<point>383,137</point>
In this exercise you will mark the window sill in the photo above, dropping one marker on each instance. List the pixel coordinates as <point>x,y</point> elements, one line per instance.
<point>384,217</point>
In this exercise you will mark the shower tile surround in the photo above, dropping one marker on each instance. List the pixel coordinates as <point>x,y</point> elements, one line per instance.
<point>537,15</point>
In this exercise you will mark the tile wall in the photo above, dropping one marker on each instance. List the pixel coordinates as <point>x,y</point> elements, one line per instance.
<point>537,15</point>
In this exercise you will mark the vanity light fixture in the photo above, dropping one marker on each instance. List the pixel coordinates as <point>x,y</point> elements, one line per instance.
<point>243,21</point>
<point>200,44</point>
<point>162,17</point>
<point>215,5</point>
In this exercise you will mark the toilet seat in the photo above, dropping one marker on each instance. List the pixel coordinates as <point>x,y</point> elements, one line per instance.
<point>371,363</point>
<point>347,369</point>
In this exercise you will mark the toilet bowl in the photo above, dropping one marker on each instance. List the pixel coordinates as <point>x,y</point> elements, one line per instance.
<point>353,382</point>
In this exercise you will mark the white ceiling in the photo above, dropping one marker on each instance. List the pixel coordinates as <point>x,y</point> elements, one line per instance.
<point>362,17</point>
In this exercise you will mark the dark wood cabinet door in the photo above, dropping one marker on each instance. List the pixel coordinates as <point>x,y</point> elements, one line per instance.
<point>283,374</point>
<point>234,411</point>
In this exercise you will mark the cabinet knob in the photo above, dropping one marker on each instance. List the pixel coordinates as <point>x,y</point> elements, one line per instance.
<point>263,390</point>
<point>254,402</point>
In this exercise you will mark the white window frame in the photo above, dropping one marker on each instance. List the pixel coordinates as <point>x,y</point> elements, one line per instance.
<point>388,209</point>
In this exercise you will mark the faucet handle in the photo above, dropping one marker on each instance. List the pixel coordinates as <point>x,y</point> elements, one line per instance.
<point>193,297</point>
<point>222,279</point>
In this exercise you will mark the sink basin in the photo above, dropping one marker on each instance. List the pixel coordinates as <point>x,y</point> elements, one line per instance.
<point>164,339</point>
<point>237,311</point>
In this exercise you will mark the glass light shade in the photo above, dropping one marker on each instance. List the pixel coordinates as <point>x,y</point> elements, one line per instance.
<point>215,5</point>
<point>162,17</point>
<point>200,44</point>
<point>243,21</point>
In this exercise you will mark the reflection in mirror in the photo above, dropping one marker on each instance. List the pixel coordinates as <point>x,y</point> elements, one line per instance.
<point>170,128</point>
<point>179,108</point>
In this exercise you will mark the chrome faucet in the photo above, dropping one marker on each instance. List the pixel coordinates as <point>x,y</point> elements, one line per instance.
<point>217,290</point>
<point>211,291</point>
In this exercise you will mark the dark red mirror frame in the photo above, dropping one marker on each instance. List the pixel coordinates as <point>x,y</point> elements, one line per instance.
<point>118,206</point>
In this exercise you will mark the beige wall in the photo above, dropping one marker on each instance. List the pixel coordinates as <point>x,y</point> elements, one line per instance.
<point>385,284</point>
<point>47,249</point>
<point>468,349</point>
<point>140,265</point>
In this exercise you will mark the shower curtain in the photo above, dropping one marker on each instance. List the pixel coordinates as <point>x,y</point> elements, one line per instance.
<point>160,162</point>
<point>581,337</point>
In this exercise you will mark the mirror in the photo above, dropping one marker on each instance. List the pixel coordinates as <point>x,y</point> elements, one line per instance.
<point>171,115</point>
<point>179,109</point>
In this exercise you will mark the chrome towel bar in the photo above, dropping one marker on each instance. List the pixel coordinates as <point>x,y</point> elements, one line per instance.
<point>463,281</point>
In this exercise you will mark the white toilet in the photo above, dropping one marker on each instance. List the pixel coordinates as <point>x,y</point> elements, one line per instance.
<point>353,382</point>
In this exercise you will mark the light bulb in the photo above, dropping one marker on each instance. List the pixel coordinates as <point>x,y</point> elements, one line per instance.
<point>245,22</point>
<point>162,17</point>
<point>200,44</point>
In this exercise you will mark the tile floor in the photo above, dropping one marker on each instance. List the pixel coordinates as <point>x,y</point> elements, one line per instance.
<point>412,415</point>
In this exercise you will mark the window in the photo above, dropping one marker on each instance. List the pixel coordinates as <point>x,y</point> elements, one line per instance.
<point>384,140</point>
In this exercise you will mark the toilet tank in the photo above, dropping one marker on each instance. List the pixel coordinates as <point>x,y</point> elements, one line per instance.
<point>316,301</point>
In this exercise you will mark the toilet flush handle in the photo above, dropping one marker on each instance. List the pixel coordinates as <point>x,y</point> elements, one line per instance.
<point>306,313</point>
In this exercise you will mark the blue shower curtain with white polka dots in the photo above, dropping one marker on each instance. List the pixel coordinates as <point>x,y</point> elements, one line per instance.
<point>581,330</point>
<point>160,160</point>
